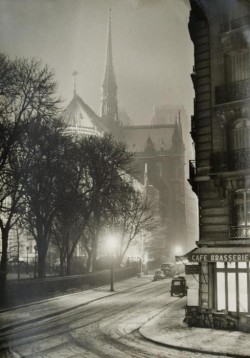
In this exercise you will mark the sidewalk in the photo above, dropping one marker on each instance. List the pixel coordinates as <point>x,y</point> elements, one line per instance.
<point>169,329</point>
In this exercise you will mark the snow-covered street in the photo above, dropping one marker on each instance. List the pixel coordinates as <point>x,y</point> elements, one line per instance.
<point>94,323</point>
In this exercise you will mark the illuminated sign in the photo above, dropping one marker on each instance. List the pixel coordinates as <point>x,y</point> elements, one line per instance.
<point>219,257</point>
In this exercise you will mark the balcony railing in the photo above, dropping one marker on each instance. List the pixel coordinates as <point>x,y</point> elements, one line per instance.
<point>235,24</point>
<point>230,161</point>
<point>231,92</point>
<point>239,232</point>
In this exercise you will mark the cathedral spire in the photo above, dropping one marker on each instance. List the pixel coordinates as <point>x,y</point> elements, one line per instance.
<point>177,140</point>
<point>180,131</point>
<point>109,108</point>
<point>74,74</point>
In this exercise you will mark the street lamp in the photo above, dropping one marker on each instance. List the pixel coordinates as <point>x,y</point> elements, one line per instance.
<point>178,251</point>
<point>27,262</point>
<point>111,242</point>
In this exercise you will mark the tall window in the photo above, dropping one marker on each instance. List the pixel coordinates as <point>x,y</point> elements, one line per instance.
<point>242,207</point>
<point>240,134</point>
<point>237,66</point>
<point>232,286</point>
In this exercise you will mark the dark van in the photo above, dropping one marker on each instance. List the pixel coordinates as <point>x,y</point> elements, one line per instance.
<point>179,286</point>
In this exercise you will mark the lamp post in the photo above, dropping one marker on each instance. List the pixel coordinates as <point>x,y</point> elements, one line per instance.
<point>27,262</point>
<point>142,255</point>
<point>111,246</point>
<point>112,274</point>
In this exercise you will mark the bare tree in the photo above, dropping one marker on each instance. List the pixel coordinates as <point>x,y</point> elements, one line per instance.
<point>136,216</point>
<point>108,165</point>
<point>26,99</point>
<point>26,96</point>
<point>73,201</point>
<point>40,185</point>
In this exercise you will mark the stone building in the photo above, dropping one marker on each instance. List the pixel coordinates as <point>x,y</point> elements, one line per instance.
<point>158,147</point>
<point>220,174</point>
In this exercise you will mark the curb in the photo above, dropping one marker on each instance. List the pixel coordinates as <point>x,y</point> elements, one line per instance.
<point>183,348</point>
<point>193,350</point>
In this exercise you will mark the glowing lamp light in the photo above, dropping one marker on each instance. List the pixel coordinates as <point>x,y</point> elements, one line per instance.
<point>111,243</point>
<point>178,251</point>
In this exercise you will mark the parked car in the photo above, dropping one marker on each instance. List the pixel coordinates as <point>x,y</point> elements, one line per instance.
<point>181,278</point>
<point>179,286</point>
<point>168,269</point>
<point>158,275</point>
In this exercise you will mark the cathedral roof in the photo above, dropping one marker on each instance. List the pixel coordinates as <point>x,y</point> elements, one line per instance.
<point>79,117</point>
<point>137,137</point>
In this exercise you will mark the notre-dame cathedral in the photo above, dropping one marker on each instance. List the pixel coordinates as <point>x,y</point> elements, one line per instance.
<point>158,147</point>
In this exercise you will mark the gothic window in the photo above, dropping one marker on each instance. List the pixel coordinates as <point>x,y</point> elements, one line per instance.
<point>232,282</point>
<point>240,134</point>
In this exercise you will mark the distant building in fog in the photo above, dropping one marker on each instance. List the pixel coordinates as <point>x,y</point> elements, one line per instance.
<point>158,147</point>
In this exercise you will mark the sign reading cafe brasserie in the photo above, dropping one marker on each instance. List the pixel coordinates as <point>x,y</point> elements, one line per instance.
<point>219,257</point>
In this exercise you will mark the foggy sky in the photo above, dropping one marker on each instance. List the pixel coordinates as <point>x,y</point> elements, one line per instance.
<point>152,51</point>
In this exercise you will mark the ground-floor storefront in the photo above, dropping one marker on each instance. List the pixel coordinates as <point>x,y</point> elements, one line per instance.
<point>224,288</point>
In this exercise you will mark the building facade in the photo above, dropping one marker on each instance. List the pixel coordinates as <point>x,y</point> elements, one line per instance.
<point>220,174</point>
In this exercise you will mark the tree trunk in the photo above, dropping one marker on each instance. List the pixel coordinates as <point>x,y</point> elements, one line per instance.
<point>89,261</point>
<point>4,258</point>
<point>89,256</point>
<point>94,257</point>
<point>95,244</point>
<point>3,265</point>
<point>61,264</point>
<point>68,265</point>
<point>41,267</point>
<point>125,250</point>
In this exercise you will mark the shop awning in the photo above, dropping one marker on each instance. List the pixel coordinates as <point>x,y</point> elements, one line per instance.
<point>184,257</point>
<point>220,254</point>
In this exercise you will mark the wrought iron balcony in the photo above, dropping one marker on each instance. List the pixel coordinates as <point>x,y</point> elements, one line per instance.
<point>230,161</point>
<point>235,24</point>
<point>239,232</point>
<point>231,92</point>
<point>233,42</point>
